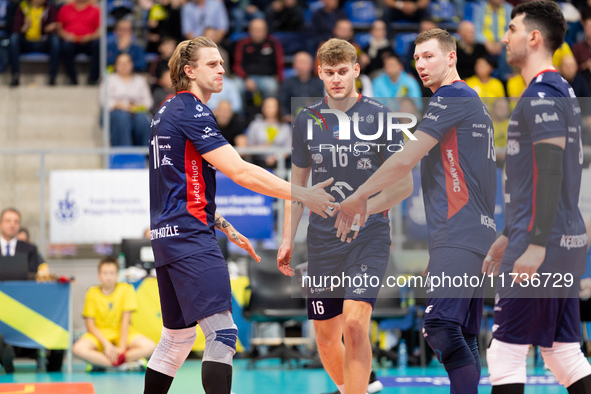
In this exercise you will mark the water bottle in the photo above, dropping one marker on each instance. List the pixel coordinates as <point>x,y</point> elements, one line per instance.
<point>402,354</point>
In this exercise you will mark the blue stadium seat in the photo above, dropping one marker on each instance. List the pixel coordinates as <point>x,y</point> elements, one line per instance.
<point>363,39</point>
<point>127,161</point>
<point>469,9</point>
<point>235,37</point>
<point>291,42</point>
<point>360,12</point>
<point>403,43</point>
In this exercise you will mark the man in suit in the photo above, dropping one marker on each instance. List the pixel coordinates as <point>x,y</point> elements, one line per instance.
<point>10,223</point>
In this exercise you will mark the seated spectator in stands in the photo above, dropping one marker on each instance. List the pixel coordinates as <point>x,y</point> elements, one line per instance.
<point>259,60</point>
<point>231,93</point>
<point>129,100</point>
<point>160,64</point>
<point>285,15</point>
<point>483,83</point>
<point>196,15</point>
<point>499,114</point>
<point>560,54</point>
<point>164,20</point>
<point>491,21</point>
<point>231,124</point>
<point>569,70</point>
<point>34,30</point>
<point>323,22</point>
<point>515,87</point>
<point>267,130</point>
<point>394,82</point>
<point>243,11</point>
<point>162,90</point>
<point>582,49</point>
<point>379,47</point>
<point>302,84</point>
<point>124,42</point>
<point>468,49</point>
<point>406,10</point>
<point>79,29</point>
<point>110,340</point>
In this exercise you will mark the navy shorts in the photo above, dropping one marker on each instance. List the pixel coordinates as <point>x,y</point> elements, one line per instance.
<point>457,302</point>
<point>194,288</point>
<point>359,268</point>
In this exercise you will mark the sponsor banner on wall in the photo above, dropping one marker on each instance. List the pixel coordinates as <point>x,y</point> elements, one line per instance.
<point>98,206</point>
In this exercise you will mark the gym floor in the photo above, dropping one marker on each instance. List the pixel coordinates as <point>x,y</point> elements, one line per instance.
<point>267,377</point>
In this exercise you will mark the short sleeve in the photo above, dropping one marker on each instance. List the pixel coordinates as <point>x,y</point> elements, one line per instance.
<point>90,303</point>
<point>129,298</point>
<point>201,128</point>
<point>545,117</point>
<point>300,155</point>
<point>443,113</point>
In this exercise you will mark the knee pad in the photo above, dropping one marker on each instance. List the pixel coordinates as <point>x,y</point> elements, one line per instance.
<point>448,343</point>
<point>172,350</point>
<point>506,362</point>
<point>566,361</point>
<point>220,337</point>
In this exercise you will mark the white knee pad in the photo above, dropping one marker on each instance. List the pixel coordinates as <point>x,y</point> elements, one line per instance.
<point>566,361</point>
<point>172,350</point>
<point>506,362</point>
<point>221,335</point>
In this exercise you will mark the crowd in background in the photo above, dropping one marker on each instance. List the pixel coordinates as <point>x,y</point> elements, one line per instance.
<point>268,47</point>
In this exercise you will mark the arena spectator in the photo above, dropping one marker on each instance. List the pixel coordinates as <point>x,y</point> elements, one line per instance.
<point>500,113</point>
<point>123,41</point>
<point>560,54</point>
<point>244,11</point>
<point>582,49</point>
<point>165,50</point>
<point>491,21</point>
<point>484,83</point>
<point>196,15</point>
<point>164,20</point>
<point>110,340</point>
<point>231,124</point>
<point>468,49</point>
<point>569,70</point>
<point>378,48</point>
<point>324,21</point>
<point>129,100</point>
<point>162,90</point>
<point>259,60</point>
<point>395,82</point>
<point>406,10</point>
<point>285,15</point>
<point>79,29</point>
<point>34,30</point>
<point>302,84</point>
<point>267,130</point>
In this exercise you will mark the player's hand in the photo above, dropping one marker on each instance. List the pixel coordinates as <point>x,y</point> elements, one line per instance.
<point>284,258</point>
<point>238,239</point>
<point>351,235</point>
<point>319,201</point>
<point>529,262</point>
<point>492,261</point>
<point>349,208</point>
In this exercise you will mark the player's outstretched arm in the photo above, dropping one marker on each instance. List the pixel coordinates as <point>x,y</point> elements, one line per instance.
<point>291,220</point>
<point>257,179</point>
<point>235,237</point>
<point>389,173</point>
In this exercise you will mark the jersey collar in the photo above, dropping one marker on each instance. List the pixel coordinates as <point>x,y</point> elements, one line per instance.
<point>549,70</point>
<point>188,91</point>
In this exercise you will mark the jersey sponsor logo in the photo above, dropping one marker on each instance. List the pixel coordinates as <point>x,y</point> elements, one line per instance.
<point>572,130</point>
<point>539,79</point>
<point>372,102</point>
<point>164,232</point>
<point>477,135</point>
<point>370,118</point>
<point>513,123</point>
<point>455,185</point>
<point>162,109</point>
<point>202,114</point>
<point>488,222</point>
<point>359,291</point>
<point>431,117</point>
<point>199,108</point>
<point>507,198</point>
<point>429,309</point>
<point>514,134</point>
<point>317,157</point>
<point>154,122</point>
<point>437,104</point>
<point>573,241</point>
<point>196,201</point>
<point>166,161</point>
<point>208,132</point>
<point>535,103</point>
<point>165,147</point>
<point>320,169</point>
<point>576,110</point>
<point>571,92</point>
<point>546,118</point>
<point>479,126</point>
<point>512,147</point>
<point>364,164</point>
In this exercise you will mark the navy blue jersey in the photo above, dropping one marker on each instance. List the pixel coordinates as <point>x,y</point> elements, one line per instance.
<point>458,175</point>
<point>350,162</point>
<point>548,109</point>
<point>182,183</point>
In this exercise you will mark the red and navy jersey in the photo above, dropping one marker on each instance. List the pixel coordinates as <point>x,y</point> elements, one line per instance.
<point>182,183</point>
<point>458,175</point>
<point>317,143</point>
<point>548,108</point>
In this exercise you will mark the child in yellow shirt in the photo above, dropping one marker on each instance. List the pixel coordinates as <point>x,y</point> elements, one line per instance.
<point>110,340</point>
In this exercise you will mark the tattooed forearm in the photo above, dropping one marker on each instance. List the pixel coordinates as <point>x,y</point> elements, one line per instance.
<point>221,223</point>
<point>301,204</point>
